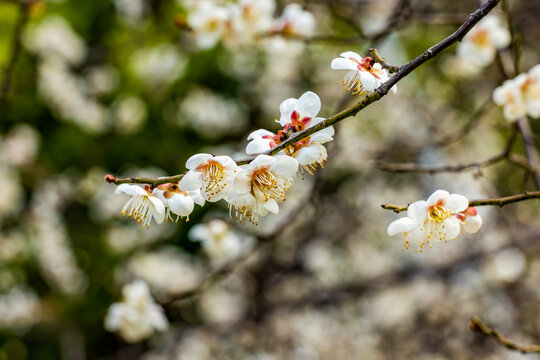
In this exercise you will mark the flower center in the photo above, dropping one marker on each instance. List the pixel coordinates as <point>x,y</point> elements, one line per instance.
<point>213,175</point>
<point>265,186</point>
<point>480,38</point>
<point>438,213</point>
<point>366,64</point>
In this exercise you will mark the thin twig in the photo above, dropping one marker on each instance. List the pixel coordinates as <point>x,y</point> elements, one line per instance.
<point>113,179</point>
<point>500,202</point>
<point>477,325</point>
<point>380,60</point>
<point>504,155</point>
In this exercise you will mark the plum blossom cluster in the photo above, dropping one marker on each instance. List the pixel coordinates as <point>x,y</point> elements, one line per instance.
<point>251,190</point>
<point>254,189</point>
<point>243,21</point>
<point>441,217</point>
<point>520,96</point>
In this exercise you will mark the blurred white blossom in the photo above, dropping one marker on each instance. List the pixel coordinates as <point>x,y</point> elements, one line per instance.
<point>54,39</point>
<point>136,317</point>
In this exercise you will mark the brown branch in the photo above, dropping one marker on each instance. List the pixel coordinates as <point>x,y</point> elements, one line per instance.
<point>477,325</point>
<point>113,179</point>
<point>504,155</point>
<point>15,49</point>
<point>381,91</point>
<point>530,149</point>
<point>500,202</point>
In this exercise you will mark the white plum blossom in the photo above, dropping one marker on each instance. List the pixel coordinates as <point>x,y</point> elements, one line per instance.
<point>252,17</point>
<point>434,220</point>
<point>260,185</point>
<point>178,201</point>
<point>295,21</point>
<point>210,23</point>
<point>480,45</point>
<point>142,206</point>
<point>520,96</point>
<point>219,241</point>
<point>364,76</point>
<point>212,175</point>
<point>296,115</point>
<point>137,316</point>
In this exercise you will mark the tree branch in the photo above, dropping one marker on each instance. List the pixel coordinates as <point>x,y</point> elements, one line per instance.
<point>477,325</point>
<point>505,154</point>
<point>113,179</point>
<point>530,149</point>
<point>500,202</point>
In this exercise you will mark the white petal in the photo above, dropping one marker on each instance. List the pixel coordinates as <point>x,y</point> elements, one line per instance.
<point>311,154</point>
<point>197,197</point>
<point>130,190</point>
<point>272,206</point>
<point>323,136</point>
<point>439,195</point>
<point>259,133</point>
<point>181,204</point>
<point>197,160</point>
<point>285,166</point>
<point>402,225</point>
<point>258,146</point>
<point>418,211</point>
<point>191,181</point>
<point>452,227</point>
<point>456,203</point>
<point>286,108</point>
<point>351,54</point>
<point>242,183</point>
<point>418,236</point>
<point>262,161</point>
<point>310,103</point>
<point>369,81</point>
<point>158,210</point>
<point>226,161</point>
<point>343,64</point>
<point>472,224</point>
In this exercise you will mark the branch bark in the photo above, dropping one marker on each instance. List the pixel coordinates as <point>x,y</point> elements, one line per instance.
<point>477,325</point>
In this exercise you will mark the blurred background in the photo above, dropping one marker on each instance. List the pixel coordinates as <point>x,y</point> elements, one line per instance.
<point>128,87</point>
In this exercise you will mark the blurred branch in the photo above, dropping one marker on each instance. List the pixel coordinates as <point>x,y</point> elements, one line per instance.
<point>505,154</point>
<point>530,149</point>
<point>376,95</point>
<point>477,325</point>
<point>500,202</point>
<point>15,48</point>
